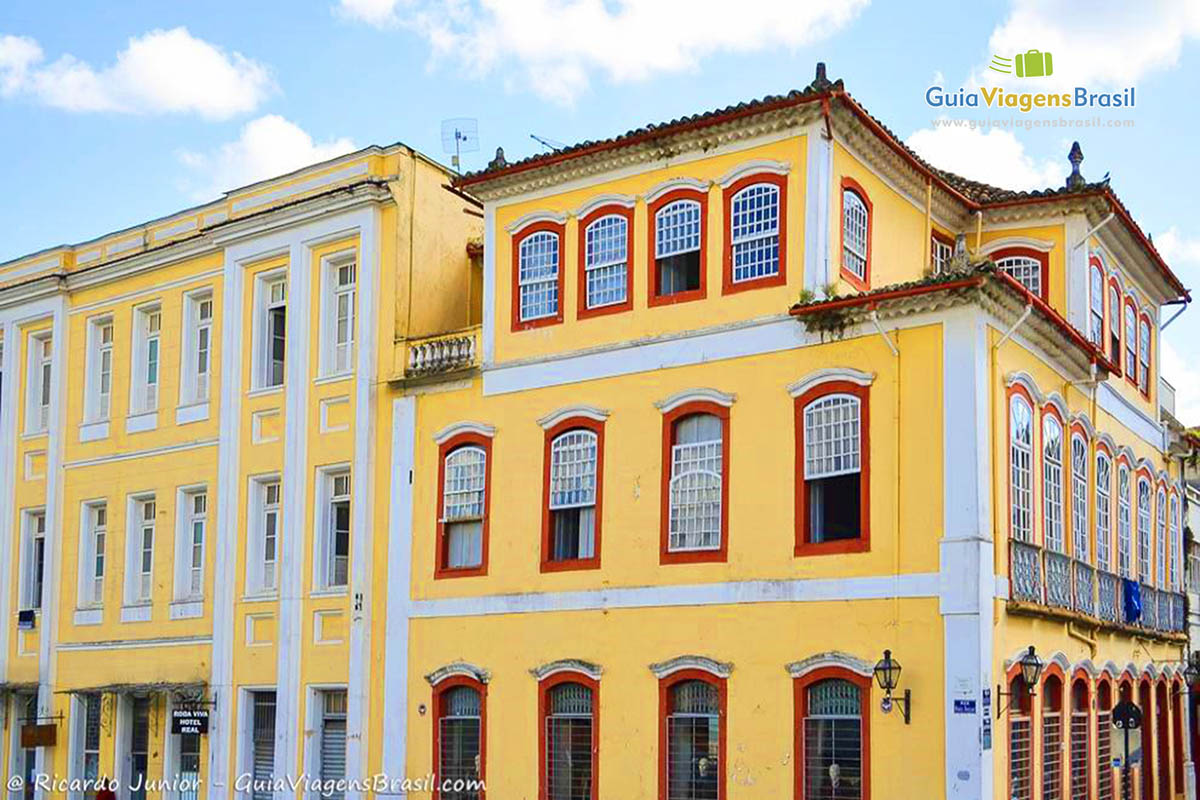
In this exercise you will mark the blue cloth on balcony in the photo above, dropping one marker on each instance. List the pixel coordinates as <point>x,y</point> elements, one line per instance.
<point>1133,600</point>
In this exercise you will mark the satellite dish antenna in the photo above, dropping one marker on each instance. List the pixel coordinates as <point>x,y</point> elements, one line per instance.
<point>459,136</point>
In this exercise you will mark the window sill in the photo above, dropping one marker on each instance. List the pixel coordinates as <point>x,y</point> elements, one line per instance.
<point>676,297</point>
<point>263,391</point>
<point>197,412</point>
<point>136,613</point>
<point>571,565</point>
<point>141,422</point>
<point>27,435</point>
<point>187,609</point>
<point>693,556</point>
<point>93,615</point>
<point>260,597</point>
<point>93,430</point>
<point>335,377</point>
<point>340,591</point>
<point>839,547</point>
<point>459,572</point>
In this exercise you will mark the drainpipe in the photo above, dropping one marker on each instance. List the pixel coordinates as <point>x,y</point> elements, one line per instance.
<point>978,231</point>
<point>928,222</point>
<point>1174,316</point>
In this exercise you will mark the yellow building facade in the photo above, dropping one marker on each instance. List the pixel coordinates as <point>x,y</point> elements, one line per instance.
<point>624,471</point>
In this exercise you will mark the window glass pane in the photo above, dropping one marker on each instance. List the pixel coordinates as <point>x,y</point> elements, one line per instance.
<point>677,228</point>
<point>465,476</point>
<point>695,484</point>
<point>459,737</point>
<point>693,742</point>
<point>538,275</point>
<point>606,260</point>
<point>833,751</point>
<point>569,743</point>
<point>832,436</point>
<point>854,233</point>
<point>1052,483</point>
<point>573,469</point>
<point>754,230</point>
<point>1021,477</point>
<point>1027,271</point>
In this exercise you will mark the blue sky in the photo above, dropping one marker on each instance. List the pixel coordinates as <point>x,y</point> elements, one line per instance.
<point>115,113</point>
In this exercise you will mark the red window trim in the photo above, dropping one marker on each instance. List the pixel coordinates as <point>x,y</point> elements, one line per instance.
<point>1094,263</point>
<point>1145,318</point>
<point>728,286</point>
<point>1021,701</point>
<point>1076,429</point>
<point>1176,698</point>
<point>544,687</point>
<point>653,297</point>
<point>582,311</point>
<point>1034,460</point>
<point>1081,676</point>
<point>862,284</point>
<point>664,709</point>
<point>1054,671</point>
<point>1039,471</point>
<point>444,449</point>
<point>800,709</point>
<point>1130,375</point>
<point>1043,258</point>
<point>1115,317</point>
<point>536,227</point>
<point>666,556</point>
<point>803,544</point>
<point>439,692</point>
<point>572,423</point>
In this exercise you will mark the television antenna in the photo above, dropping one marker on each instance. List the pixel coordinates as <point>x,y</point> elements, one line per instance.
<point>460,135</point>
<point>553,145</point>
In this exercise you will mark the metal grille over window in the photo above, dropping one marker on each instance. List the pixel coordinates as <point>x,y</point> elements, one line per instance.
<point>459,738</point>
<point>1020,756</point>
<point>1124,524</point>
<point>1103,511</point>
<point>538,275</point>
<point>695,513</point>
<point>263,746</point>
<point>694,742</point>
<point>463,504</point>
<point>854,234</point>
<point>569,743</point>
<point>1079,743</point>
<point>606,261</point>
<point>573,457</point>
<point>333,744</point>
<point>91,736</point>
<point>1052,483</point>
<point>1104,775</point>
<point>1027,271</point>
<point>833,749</point>
<point>754,231</point>
<point>1052,725</point>
<point>1021,456</point>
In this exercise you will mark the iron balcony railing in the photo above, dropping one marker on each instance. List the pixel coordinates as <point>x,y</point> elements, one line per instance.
<point>1085,580</point>
<point>1058,579</point>
<point>1109,595</point>
<point>1026,572</point>
<point>1149,607</point>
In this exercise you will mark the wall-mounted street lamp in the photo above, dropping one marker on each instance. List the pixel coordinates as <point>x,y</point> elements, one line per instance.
<point>1191,674</point>
<point>887,674</point>
<point>1031,670</point>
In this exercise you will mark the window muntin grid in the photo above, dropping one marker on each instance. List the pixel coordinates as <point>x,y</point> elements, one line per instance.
<point>569,752</point>
<point>693,742</point>
<point>606,261</point>
<point>270,533</point>
<point>1130,341</point>
<point>464,484</point>
<point>855,220</point>
<point>573,470</point>
<point>940,253</point>
<point>1124,523</point>
<point>1096,304</point>
<point>1020,755</point>
<point>1103,509</point>
<point>145,553</point>
<point>695,485</point>
<point>833,747</point>
<point>754,232</point>
<point>1021,478</point>
<point>1161,540</point>
<point>1027,271</point>
<point>460,736</point>
<point>1114,323</point>
<point>1143,529</point>
<point>1052,778</point>
<point>1144,356</point>
<point>832,436</point>
<point>1176,545</point>
<point>1079,499</point>
<point>1052,483</point>
<point>197,522</point>
<point>677,228</point>
<point>537,275</point>
<point>104,357</point>
<point>99,516</point>
<point>344,289</point>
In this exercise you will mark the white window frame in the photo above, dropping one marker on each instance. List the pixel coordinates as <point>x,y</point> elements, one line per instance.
<point>40,382</point>
<point>684,452</point>
<point>29,536</point>
<point>595,264</point>
<point>145,380</point>
<point>1096,306</point>
<point>450,501</point>
<point>1020,456</point>
<point>330,491</point>
<point>139,583</point>
<point>264,303</point>
<point>97,406</point>
<point>1176,543</point>
<point>1080,459</point>
<point>1124,521</point>
<point>1160,538</point>
<point>745,235</point>
<point>1145,533</point>
<point>1145,339</point>
<point>95,522</point>
<point>940,253</point>
<point>337,357</point>
<point>1104,513</point>
<point>547,282</point>
<point>1052,484</point>
<point>853,245</point>
<point>1129,315</point>
<point>1025,270</point>
<point>262,576</point>
<point>186,517</point>
<point>195,384</point>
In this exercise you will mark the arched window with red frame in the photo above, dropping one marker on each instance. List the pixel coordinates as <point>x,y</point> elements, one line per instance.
<point>1081,726</point>
<point>1020,458</point>
<point>1096,302</point>
<point>605,261</point>
<point>1052,735</point>
<point>573,488</point>
<point>464,500</point>
<point>1124,518</point>
<point>1114,321</point>
<point>459,738</point>
<point>857,216</point>
<point>1144,535</point>
<point>678,242</point>
<point>691,736</point>
<point>1149,745</point>
<point>1104,771</point>
<point>1131,357</point>
<point>833,460</point>
<point>755,232</point>
<point>1080,462</point>
<point>695,483</point>
<point>833,735</point>
<point>1103,510</point>
<point>1028,267</point>
<point>1144,355</point>
<point>1052,480</point>
<point>537,273</point>
<point>569,736</point>
<point>1020,739</point>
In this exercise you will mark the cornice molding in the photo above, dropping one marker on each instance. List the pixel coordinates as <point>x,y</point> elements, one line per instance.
<point>757,166</point>
<point>670,185</point>
<point>703,395</point>
<point>466,426</point>
<point>831,658</point>
<point>567,412</point>
<point>578,665</point>
<point>458,669</point>
<point>664,669</point>
<point>816,378</point>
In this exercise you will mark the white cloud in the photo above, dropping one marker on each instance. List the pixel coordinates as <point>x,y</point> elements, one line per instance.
<point>267,146</point>
<point>163,71</point>
<point>1175,247</point>
<point>1185,377</point>
<point>1094,44</point>
<point>995,156</point>
<point>555,46</point>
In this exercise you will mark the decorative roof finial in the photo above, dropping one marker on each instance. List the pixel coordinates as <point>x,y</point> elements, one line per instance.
<point>1075,180</point>
<point>820,82</point>
<point>499,162</point>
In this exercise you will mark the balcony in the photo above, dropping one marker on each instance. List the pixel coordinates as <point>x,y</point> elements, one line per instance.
<point>1046,583</point>
<point>441,356</point>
